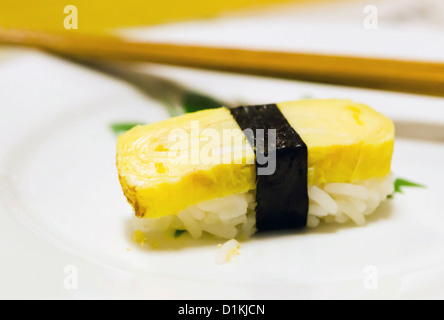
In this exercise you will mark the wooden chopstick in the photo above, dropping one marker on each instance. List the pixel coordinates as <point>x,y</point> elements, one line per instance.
<point>386,74</point>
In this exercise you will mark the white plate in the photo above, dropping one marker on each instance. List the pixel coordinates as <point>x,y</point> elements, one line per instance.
<point>63,215</point>
<point>63,206</point>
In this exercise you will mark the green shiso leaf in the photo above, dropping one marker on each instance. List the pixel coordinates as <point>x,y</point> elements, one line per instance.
<point>308,96</point>
<point>400,183</point>
<point>193,101</point>
<point>178,233</point>
<point>119,128</point>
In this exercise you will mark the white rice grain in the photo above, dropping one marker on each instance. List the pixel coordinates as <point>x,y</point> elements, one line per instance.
<point>316,210</point>
<point>191,225</point>
<point>347,189</point>
<point>312,221</point>
<point>221,231</point>
<point>342,218</point>
<point>227,251</point>
<point>323,199</point>
<point>360,205</point>
<point>351,211</point>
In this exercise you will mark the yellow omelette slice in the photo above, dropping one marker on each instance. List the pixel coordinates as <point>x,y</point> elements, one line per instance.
<point>168,166</point>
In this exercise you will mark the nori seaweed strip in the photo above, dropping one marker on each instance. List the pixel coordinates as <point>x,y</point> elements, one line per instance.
<point>282,198</point>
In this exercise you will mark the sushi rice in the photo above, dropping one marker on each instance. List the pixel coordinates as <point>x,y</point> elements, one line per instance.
<point>233,216</point>
<point>227,251</point>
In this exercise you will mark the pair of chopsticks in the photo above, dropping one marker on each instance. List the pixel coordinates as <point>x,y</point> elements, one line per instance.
<point>386,74</point>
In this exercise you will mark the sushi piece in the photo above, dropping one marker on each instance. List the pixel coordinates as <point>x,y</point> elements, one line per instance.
<point>231,172</point>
